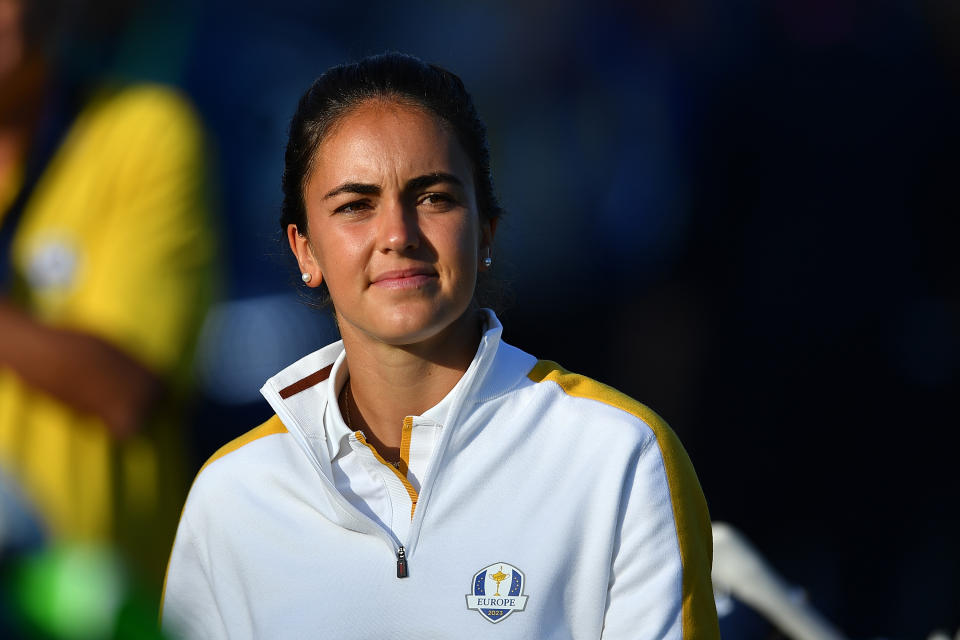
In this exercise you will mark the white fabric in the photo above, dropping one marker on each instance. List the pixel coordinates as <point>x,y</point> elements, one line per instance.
<point>364,481</point>
<point>570,491</point>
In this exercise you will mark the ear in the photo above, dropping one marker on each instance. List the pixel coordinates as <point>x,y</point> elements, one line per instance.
<point>488,228</point>
<point>302,250</point>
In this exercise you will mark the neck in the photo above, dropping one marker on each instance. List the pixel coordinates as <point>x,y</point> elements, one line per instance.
<point>21,97</point>
<point>390,382</point>
<point>13,143</point>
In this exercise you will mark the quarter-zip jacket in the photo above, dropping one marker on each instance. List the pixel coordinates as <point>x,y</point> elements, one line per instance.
<point>577,503</point>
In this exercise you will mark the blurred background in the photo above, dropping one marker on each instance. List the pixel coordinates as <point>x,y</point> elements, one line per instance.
<point>741,213</point>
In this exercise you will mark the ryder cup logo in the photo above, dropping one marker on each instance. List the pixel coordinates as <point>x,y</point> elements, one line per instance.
<point>497,591</point>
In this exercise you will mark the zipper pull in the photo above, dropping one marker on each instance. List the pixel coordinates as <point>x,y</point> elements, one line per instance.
<point>401,562</point>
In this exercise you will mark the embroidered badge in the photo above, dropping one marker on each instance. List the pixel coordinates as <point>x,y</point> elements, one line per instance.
<point>497,591</point>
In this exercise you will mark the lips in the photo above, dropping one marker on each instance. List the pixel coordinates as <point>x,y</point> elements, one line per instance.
<point>404,278</point>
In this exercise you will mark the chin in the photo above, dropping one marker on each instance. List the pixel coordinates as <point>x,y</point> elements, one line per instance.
<point>407,326</point>
<point>409,332</point>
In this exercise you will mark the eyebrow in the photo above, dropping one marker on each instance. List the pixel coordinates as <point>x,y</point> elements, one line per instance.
<point>353,187</point>
<point>430,179</point>
<point>414,184</point>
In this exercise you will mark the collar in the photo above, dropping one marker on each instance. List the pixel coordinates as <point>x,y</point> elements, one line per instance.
<point>338,432</point>
<point>301,393</point>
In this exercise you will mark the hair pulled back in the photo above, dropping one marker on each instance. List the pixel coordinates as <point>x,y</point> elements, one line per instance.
<point>392,76</point>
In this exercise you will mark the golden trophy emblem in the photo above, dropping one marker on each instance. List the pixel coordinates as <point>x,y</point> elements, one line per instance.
<point>499,577</point>
<point>495,607</point>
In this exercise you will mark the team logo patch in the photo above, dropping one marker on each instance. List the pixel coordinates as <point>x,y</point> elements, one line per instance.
<point>52,264</point>
<point>497,591</point>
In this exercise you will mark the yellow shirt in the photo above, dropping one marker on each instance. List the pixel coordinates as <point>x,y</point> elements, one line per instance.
<point>115,241</point>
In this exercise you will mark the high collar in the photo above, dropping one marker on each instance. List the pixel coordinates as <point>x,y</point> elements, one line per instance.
<point>338,431</point>
<point>301,393</point>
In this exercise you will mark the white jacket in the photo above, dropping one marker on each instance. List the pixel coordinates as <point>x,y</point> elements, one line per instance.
<point>553,507</point>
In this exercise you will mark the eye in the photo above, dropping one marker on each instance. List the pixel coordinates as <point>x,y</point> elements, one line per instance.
<point>353,207</point>
<point>437,200</point>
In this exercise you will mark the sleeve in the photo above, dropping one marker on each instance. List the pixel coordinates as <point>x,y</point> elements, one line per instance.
<point>148,284</point>
<point>188,607</point>
<point>660,580</point>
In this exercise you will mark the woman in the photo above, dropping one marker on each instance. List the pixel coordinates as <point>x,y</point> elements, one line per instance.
<point>422,478</point>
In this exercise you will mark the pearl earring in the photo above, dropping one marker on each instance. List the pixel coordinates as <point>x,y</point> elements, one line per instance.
<point>487,262</point>
<point>306,277</point>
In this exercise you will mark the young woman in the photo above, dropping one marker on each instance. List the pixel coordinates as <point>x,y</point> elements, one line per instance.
<point>422,478</point>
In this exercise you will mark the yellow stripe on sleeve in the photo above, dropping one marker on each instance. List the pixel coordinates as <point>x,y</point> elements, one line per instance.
<point>686,497</point>
<point>271,427</point>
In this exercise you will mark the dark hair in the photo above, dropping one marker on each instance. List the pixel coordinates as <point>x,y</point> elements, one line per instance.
<point>391,76</point>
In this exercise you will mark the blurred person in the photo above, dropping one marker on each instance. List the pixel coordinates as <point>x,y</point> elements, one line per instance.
<point>105,276</point>
<point>422,477</point>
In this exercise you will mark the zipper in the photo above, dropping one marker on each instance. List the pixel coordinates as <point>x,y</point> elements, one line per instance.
<point>402,562</point>
<point>338,499</point>
<point>386,535</point>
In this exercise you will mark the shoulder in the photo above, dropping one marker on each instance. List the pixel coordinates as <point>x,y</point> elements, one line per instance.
<point>579,386</point>
<point>141,104</point>
<point>149,120</point>
<point>271,427</point>
<point>586,396</point>
<point>616,418</point>
<point>241,472</point>
<point>234,472</point>
<point>248,462</point>
<point>665,458</point>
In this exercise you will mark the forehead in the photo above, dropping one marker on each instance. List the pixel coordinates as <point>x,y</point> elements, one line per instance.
<point>382,139</point>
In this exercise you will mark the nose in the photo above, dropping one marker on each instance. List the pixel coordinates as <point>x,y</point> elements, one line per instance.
<point>399,228</point>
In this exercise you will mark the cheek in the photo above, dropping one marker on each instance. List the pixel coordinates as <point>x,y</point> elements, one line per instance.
<point>338,253</point>
<point>467,234</point>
